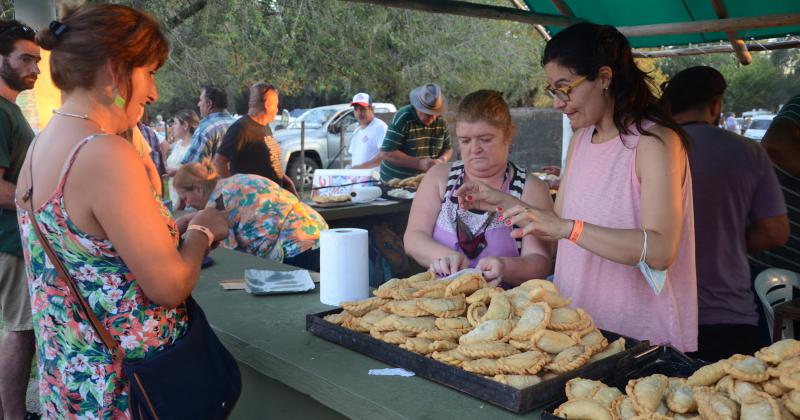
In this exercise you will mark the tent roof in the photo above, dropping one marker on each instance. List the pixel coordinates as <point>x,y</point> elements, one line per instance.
<point>627,13</point>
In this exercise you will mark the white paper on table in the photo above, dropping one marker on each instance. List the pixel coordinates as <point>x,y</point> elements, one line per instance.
<point>267,282</point>
<point>390,372</point>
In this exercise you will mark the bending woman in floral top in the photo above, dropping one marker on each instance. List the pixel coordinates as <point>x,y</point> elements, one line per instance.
<point>266,219</point>
<point>96,206</point>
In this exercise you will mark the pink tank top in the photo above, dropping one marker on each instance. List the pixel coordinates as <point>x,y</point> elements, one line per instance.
<point>602,189</point>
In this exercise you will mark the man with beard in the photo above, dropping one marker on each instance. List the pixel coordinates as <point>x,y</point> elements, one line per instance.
<point>19,58</point>
<point>738,210</point>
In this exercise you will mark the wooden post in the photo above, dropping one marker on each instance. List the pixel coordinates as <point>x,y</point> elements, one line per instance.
<point>563,8</point>
<point>736,41</point>
<point>719,25</point>
<point>341,147</point>
<point>539,28</point>
<point>713,49</point>
<point>463,8</point>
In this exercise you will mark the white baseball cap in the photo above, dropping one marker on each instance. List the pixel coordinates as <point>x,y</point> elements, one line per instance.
<point>362,99</point>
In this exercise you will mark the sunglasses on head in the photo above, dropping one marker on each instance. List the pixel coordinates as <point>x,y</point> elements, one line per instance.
<point>20,30</point>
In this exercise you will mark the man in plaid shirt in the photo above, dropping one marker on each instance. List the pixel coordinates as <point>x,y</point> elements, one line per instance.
<point>213,106</point>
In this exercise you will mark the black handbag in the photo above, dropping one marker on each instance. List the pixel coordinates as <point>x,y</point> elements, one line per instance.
<point>195,377</point>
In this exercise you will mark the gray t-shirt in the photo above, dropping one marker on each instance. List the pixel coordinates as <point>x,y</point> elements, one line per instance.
<point>734,185</point>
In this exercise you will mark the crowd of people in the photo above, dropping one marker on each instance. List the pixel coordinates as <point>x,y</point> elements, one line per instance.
<point>659,216</point>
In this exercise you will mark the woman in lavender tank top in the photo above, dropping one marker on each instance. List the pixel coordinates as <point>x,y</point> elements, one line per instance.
<point>625,194</point>
<point>447,238</point>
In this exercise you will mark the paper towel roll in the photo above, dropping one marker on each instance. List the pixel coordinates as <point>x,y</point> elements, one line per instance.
<point>364,194</point>
<point>344,265</point>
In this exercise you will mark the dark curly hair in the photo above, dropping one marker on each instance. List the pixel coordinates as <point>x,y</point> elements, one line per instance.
<point>12,31</point>
<point>585,47</point>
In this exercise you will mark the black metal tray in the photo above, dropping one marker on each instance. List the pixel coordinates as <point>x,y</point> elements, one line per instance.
<point>507,397</point>
<point>660,359</point>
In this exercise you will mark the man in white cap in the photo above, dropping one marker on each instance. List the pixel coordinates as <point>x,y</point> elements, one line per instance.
<point>417,137</point>
<point>366,141</point>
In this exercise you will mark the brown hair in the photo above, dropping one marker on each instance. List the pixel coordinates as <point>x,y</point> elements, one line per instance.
<point>196,174</point>
<point>190,117</point>
<point>96,33</point>
<point>489,106</point>
<point>257,92</point>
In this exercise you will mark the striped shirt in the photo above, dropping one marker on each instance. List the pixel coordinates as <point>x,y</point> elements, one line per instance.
<point>207,136</point>
<point>407,134</point>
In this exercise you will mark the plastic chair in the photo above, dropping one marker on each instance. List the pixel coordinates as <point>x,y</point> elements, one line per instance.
<point>774,286</point>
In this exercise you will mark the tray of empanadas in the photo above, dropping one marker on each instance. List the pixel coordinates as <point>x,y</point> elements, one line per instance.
<point>762,386</point>
<point>513,348</point>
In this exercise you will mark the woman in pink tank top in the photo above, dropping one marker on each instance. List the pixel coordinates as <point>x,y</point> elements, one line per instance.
<point>447,238</point>
<point>626,184</point>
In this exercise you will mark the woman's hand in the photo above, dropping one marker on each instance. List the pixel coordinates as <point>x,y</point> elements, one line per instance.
<point>543,224</point>
<point>444,266</point>
<point>215,220</point>
<point>493,269</point>
<point>477,195</point>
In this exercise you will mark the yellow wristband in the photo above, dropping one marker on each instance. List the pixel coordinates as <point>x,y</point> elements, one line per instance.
<point>205,230</point>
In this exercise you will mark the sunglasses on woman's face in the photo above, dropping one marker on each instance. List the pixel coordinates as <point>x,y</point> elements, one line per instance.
<point>472,245</point>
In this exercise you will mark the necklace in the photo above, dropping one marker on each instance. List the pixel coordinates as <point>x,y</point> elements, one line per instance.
<point>81,116</point>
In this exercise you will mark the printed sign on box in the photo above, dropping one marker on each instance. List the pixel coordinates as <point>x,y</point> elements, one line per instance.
<point>341,181</point>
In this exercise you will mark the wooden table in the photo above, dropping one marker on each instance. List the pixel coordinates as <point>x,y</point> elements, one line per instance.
<point>290,373</point>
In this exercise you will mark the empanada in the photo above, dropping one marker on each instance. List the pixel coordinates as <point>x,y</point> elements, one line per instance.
<point>499,308</point>
<point>443,345</point>
<point>491,330</point>
<point>747,368</point>
<point>406,308</point>
<point>451,307</point>
<point>791,401</point>
<point>528,363</point>
<point>475,313</point>
<point>372,317</point>
<point>708,374</point>
<point>786,365</point>
<point>791,379</point>
<point>615,347</point>
<point>423,276</point>
<point>775,388</point>
<point>538,284</point>
<point>524,345</point>
<point>337,318</point>
<point>580,388</point>
<point>451,357</point>
<point>555,300</point>
<point>569,359</point>
<point>418,345</point>
<point>449,335</point>
<point>376,334</point>
<point>594,341</point>
<point>486,367</point>
<point>623,408</point>
<point>679,396</point>
<point>780,351</point>
<point>361,307</point>
<point>760,406</point>
<point>607,395</point>
<point>564,319</point>
<point>402,293</point>
<point>415,324</point>
<point>552,342</point>
<point>459,323</point>
<point>355,324</point>
<point>518,381</point>
<point>465,284</point>
<point>736,389</point>
<point>583,409</point>
<point>535,318</point>
<point>384,290</point>
<point>487,349</point>
<point>520,300</point>
<point>397,337</point>
<point>484,295</point>
<point>435,290</point>
<point>715,405</point>
<point>647,393</point>
<point>385,324</point>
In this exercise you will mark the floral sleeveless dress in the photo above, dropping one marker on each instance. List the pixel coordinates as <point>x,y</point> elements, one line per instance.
<point>77,375</point>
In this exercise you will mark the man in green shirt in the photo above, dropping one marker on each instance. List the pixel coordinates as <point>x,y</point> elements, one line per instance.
<point>19,59</point>
<point>417,138</point>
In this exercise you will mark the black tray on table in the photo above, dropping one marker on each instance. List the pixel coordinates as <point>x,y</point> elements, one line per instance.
<point>659,359</point>
<point>510,398</point>
<point>385,192</point>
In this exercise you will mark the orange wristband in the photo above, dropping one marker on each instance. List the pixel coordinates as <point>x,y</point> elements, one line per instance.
<point>577,229</point>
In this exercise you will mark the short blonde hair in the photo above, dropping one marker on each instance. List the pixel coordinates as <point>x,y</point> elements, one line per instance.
<point>196,174</point>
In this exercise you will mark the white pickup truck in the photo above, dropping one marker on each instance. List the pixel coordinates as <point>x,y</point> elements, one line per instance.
<point>322,140</point>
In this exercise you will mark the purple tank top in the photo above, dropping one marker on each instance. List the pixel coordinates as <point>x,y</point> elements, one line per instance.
<point>499,242</point>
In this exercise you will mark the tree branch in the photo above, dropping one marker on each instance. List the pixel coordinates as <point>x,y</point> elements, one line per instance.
<point>185,13</point>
